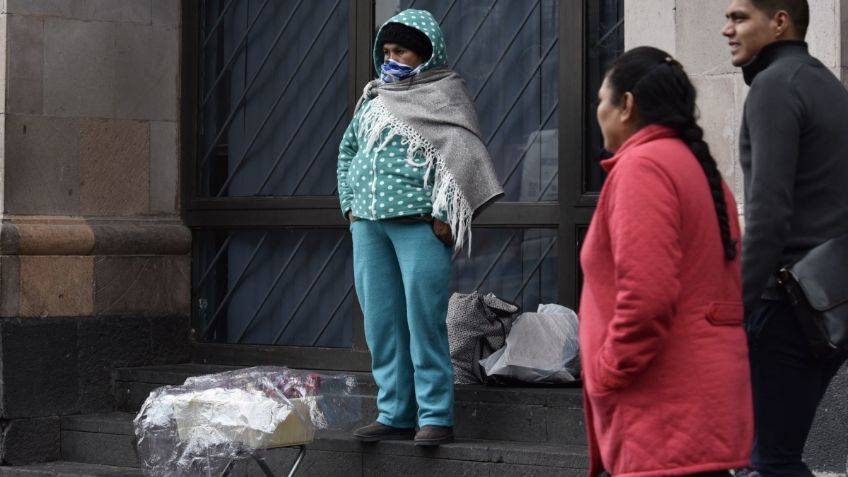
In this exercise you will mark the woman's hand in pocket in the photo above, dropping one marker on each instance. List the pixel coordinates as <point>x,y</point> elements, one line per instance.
<point>443,232</point>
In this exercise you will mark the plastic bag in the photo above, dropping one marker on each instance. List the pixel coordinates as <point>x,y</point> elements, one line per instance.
<point>542,347</point>
<point>200,427</point>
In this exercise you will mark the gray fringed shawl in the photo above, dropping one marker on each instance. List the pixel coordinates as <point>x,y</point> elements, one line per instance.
<point>436,120</point>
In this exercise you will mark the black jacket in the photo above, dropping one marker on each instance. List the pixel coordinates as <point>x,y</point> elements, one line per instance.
<point>794,157</point>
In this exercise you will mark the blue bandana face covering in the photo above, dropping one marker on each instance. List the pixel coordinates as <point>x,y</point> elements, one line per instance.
<point>392,71</point>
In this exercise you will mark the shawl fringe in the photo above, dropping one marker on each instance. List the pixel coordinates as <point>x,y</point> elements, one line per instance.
<point>446,196</point>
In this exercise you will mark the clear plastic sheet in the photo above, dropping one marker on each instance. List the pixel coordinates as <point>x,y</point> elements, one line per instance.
<point>200,427</point>
<point>541,347</point>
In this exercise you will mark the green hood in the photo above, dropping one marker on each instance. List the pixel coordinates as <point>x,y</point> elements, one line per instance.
<point>423,21</point>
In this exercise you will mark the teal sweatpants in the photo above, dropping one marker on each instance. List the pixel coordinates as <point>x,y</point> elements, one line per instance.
<point>401,272</point>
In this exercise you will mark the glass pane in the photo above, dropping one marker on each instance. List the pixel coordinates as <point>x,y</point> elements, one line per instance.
<point>507,51</point>
<point>606,42</point>
<point>286,287</point>
<point>519,265</point>
<point>273,98</point>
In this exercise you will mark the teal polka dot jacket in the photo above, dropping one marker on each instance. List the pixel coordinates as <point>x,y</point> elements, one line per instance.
<point>382,182</point>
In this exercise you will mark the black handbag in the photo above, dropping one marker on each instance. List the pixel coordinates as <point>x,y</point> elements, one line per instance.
<point>817,288</point>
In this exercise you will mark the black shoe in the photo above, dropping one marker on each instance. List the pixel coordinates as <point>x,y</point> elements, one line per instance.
<point>434,436</point>
<point>376,431</point>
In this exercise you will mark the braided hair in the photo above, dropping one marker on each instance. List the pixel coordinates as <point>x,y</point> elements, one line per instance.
<point>665,96</point>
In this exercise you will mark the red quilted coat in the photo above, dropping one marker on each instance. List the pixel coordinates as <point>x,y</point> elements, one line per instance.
<point>665,358</point>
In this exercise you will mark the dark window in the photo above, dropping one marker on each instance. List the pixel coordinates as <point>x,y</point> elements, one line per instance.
<point>273,97</point>
<point>287,287</point>
<point>606,42</point>
<point>276,84</point>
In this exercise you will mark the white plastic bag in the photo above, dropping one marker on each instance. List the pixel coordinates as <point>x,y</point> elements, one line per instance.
<point>541,347</point>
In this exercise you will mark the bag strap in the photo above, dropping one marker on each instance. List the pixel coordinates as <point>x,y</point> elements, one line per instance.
<point>476,368</point>
<point>501,322</point>
<point>499,306</point>
<point>483,348</point>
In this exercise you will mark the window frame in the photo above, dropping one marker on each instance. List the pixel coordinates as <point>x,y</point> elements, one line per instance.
<point>570,214</point>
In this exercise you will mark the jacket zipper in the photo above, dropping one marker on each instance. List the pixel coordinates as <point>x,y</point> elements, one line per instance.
<point>374,186</point>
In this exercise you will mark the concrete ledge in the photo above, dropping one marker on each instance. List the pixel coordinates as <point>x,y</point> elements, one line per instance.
<point>141,239</point>
<point>77,236</point>
<point>58,239</point>
<point>75,266</point>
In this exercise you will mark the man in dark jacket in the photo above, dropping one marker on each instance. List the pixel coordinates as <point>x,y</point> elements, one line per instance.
<point>794,156</point>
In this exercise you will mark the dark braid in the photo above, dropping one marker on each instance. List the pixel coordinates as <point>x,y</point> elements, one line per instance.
<point>693,135</point>
<point>664,95</point>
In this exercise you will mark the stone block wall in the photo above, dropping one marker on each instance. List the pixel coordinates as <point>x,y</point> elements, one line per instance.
<point>94,259</point>
<point>92,105</point>
<point>691,31</point>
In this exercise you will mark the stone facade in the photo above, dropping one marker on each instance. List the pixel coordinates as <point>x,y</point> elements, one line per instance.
<point>690,30</point>
<point>94,259</point>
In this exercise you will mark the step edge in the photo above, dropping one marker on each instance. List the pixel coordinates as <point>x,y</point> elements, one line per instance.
<point>115,423</point>
<point>565,456</point>
<point>69,468</point>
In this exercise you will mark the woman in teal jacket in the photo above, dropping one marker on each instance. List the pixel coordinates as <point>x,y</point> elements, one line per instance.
<point>412,173</point>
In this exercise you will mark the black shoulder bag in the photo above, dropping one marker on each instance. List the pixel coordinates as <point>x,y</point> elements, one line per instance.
<point>817,287</point>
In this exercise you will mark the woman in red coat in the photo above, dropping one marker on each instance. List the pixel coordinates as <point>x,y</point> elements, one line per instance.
<point>665,358</point>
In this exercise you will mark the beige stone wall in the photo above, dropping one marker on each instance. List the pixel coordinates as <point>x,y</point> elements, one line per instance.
<point>690,30</point>
<point>89,171</point>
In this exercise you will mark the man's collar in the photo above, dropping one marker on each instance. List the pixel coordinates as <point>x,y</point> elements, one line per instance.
<point>768,54</point>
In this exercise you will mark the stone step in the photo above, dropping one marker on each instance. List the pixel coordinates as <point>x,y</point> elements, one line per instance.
<point>107,439</point>
<point>69,469</point>
<point>341,455</point>
<point>552,415</point>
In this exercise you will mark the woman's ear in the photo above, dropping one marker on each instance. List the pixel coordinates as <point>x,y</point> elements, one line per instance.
<point>628,108</point>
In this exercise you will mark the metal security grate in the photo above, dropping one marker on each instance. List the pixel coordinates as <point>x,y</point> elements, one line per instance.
<point>273,76</point>
<point>606,42</point>
<point>272,261</point>
<point>519,265</point>
<point>291,287</point>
